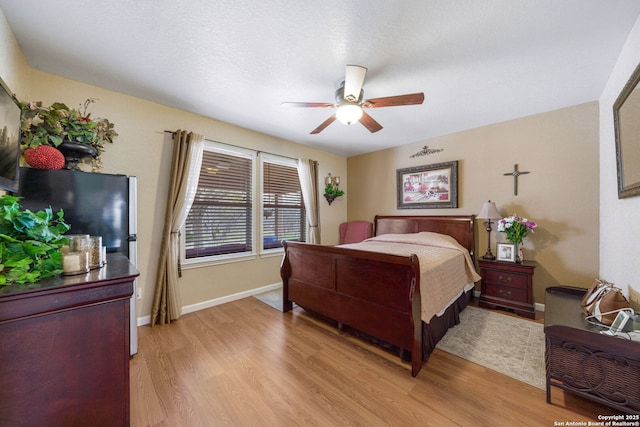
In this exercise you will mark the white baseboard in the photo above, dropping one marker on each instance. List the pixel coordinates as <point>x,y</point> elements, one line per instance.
<point>145,320</point>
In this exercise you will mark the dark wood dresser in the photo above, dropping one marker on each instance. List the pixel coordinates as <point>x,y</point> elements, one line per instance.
<point>64,349</point>
<point>508,285</point>
<point>581,360</point>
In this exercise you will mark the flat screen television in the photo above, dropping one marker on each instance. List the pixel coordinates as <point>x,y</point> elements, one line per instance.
<point>10,114</point>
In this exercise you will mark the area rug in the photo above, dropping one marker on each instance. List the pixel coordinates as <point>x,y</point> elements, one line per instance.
<point>506,344</point>
<point>272,298</point>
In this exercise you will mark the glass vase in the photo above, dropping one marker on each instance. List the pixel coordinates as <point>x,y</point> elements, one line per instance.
<point>518,252</point>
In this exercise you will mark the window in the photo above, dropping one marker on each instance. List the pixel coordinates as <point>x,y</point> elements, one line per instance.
<point>223,220</point>
<point>283,212</point>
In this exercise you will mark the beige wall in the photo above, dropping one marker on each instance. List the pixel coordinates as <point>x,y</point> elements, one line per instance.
<point>620,218</point>
<point>559,148</point>
<point>563,149</point>
<point>13,65</point>
<point>143,149</point>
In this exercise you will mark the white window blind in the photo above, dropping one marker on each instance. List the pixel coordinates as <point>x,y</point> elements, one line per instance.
<point>220,220</point>
<point>283,212</point>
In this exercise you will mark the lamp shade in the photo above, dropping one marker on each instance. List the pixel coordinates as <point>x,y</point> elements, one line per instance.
<point>488,211</point>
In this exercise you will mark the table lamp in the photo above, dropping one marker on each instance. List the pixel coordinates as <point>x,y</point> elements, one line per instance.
<point>488,212</point>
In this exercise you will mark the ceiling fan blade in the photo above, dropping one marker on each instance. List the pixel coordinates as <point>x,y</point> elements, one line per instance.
<point>353,81</point>
<point>323,125</point>
<point>393,101</point>
<point>368,122</point>
<point>307,104</point>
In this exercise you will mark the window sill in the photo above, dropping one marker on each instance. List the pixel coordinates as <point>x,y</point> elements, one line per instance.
<point>270,253</point>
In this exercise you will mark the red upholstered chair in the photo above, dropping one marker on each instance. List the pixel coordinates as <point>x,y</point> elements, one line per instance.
<point>355,231</point>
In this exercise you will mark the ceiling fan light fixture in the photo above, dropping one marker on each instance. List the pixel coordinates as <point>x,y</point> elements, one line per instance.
<point>350,102</point>
<point>349,112</point>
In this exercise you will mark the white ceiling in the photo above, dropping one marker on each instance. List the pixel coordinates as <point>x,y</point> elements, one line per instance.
<point>477,61</point>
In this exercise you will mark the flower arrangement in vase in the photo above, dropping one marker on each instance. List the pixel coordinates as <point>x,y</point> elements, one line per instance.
<point>45,131</point>
<point>516,229</point>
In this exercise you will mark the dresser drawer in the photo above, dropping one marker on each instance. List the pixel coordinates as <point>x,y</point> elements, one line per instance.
<point>505,278</point>
<point>506,292</point>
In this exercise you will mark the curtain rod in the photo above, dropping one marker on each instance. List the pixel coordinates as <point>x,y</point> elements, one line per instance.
<point>237,146</point>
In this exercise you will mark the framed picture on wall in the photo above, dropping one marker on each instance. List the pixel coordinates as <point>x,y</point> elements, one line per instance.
<point>506,252</point>
<point>429,186</point>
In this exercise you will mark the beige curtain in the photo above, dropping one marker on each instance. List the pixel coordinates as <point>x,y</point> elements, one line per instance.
<point>185,171</point>
<point>308,174</point>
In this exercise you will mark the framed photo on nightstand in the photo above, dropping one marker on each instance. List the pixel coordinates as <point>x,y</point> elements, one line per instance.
<point>506,252</point>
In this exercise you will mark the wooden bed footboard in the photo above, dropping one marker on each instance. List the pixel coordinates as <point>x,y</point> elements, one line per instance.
<point>375,293</point>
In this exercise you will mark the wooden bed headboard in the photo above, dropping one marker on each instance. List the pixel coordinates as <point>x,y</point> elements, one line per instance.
<point>460,227</point>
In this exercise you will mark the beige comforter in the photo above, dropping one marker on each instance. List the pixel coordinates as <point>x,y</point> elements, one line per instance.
<point>446,268</point>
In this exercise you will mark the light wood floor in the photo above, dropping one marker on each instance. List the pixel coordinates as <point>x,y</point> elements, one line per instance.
<point>246,364</point>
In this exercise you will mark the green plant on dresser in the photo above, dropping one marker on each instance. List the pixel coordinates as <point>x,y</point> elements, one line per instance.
<point>30,242</point>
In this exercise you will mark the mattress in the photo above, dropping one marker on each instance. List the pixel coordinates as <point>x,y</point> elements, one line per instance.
<point>446,268</point>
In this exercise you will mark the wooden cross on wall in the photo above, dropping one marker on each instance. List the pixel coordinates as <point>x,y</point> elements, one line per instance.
<point>516,173</point>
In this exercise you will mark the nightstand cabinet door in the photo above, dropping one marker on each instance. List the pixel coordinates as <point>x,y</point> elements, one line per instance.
<point>508,285</point>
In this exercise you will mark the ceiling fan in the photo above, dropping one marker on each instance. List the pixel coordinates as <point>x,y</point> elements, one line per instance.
<point>350,102</point>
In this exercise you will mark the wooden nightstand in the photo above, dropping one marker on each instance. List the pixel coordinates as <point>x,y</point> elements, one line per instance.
<point>508,285</point>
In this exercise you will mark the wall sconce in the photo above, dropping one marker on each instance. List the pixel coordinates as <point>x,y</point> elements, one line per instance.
<point>331,188</point>
<point>488,211</point>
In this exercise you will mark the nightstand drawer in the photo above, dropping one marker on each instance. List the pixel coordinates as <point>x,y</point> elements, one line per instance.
<point>505,278</point>
<point>506,292</point>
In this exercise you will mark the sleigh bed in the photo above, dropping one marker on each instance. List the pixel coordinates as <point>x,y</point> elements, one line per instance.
<point>381,289</point>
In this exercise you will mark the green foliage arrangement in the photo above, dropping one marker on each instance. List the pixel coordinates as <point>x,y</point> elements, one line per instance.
<point>333,190</point>
<point>58,123</point>
<point>29,242</point>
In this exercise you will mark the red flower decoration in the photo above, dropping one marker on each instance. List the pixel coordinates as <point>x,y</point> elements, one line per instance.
<point>44,157</point>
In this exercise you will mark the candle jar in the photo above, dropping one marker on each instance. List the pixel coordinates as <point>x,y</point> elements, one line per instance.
<point>78,242</point>
<point>75,263</point>
<point>77,256</point>
<point>95,252</point>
